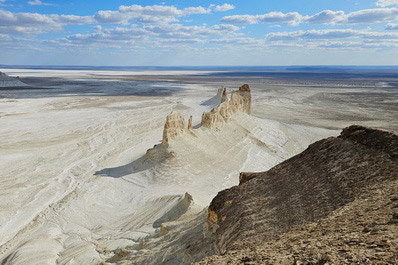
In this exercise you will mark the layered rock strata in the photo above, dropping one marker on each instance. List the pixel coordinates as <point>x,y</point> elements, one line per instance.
<point>240,101</point>
<point>175,125</point>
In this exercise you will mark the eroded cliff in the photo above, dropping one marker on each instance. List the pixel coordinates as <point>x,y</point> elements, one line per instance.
<point>240,101</point>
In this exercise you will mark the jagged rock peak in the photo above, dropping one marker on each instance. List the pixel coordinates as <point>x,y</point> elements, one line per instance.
<point>174,126</point>
<point>190,123</point>
<point>244,88</point>
<point>224,96</point>
<point>240,101</point>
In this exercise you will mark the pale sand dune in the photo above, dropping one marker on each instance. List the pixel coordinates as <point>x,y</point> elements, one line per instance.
<point>76,187</point>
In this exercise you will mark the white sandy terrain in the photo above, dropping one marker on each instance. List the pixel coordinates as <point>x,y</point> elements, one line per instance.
<point>76,185</point>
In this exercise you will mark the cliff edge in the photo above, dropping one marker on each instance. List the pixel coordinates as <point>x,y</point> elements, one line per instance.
<point>334,203</point>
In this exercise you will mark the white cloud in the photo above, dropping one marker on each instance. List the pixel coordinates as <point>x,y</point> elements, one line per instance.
<point>4,37</point>
<point>240,41</point>
<point>326,17</point>
<point>328,34</point>
<point>384,3</point>
<point>224,7</point>
<point>38,3</point>
<point>157,10</point>
<point>312,34</point>
<point>241,19</point>
<point>291,18</point>
<point>151,14</point>
<point>171,33</point>
<point>115,35</point>
<point>372,15</point>
<point>392,26</point>
<point>21,23</point>
<point>117,17</point>
<point>330,17</point>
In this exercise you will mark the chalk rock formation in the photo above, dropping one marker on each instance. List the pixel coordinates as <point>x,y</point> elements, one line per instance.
<point>8,81</point>
<point>240,102</point>
<point>224,96</point>
<point>190,123</point>
<point>339,196</point>
<point>174,126</point>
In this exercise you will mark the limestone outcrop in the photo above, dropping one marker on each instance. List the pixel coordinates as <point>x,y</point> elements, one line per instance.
<point>240,101</point>
<point>175,125</point>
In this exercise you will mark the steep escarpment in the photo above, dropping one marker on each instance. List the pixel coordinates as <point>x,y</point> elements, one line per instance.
<point>335,202</point>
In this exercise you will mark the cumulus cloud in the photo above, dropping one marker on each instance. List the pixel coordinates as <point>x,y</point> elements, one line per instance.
<point>392,26</point>
<point>37,23</point>
<point>153,14</point>
<point>239,41</point>
<point>340,39</point>
<point>312,34</point>
<point>158,10</point>
<point>22,23</point>
<point>4,37</point>
<point>372,15</point>
<point>241,19</point>
<point>114,35</point>
<point>384,3</point>
<point>330,34</point>
<point>224,7</point>
<point>178,31</point>
<point>171,33</point>
<point>325,17</point>
<point>160,26</point>
<point>117,17</point>
<point>38,3</point>
<point>291,18</point>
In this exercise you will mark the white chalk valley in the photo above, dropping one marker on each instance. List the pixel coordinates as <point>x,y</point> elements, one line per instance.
<point>78,185</point>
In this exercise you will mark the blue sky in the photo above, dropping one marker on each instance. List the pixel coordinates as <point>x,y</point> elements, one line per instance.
<point>201,32</point>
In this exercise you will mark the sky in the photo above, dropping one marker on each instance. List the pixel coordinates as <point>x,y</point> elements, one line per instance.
<point>198,32</point>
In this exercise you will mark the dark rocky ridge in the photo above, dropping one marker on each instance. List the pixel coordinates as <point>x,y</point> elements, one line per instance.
<point>330,175</point>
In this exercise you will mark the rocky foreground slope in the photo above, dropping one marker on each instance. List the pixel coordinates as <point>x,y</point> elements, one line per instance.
<point>335,203</point>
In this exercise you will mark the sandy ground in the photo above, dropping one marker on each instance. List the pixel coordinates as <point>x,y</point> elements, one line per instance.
<point>76,187</point>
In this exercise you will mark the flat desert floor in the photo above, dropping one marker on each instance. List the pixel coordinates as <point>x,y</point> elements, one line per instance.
<point>76,186</point>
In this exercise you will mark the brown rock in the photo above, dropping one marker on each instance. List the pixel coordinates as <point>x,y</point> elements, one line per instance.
<point>190,123</point>
<point>300,190</point>
<point>224,96</point>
